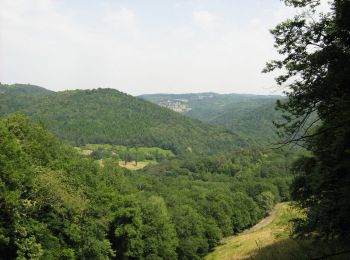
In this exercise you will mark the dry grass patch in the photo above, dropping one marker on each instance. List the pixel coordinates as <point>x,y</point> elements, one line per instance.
<point>133,166</point>
<point>275,227</point>
<point>271,240</point>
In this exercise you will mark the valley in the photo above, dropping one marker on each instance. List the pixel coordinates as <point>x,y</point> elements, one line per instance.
<point>143,181</point>
<point>181,178</point>
<point>250,116</point>
<point>128,135</point>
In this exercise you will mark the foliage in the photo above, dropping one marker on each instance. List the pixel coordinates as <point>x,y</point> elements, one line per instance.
<point>45,200</point>
<point>316,63</point>
<point>249,116</point>
<point>103,151</point>
<point>107,116</point>
<point>205,204</point>
<point>57,203</point>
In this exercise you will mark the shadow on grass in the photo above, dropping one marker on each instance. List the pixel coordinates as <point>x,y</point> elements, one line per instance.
<point>292,249</point>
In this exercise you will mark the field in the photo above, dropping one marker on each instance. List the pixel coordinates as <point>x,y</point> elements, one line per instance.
<point>133,166</point>
<point>270,239</point>
<point>127,156</point>
<point>103,151</point>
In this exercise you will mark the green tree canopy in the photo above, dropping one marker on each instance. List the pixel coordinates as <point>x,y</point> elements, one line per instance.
<point>316,64</point>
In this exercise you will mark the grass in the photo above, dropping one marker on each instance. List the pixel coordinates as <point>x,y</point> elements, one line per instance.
<point>271,240</point>
<point>144,155</point>
<point>132,165</point>
<point>120,148</point>
<point>83,151</point>
<point>245,245</point>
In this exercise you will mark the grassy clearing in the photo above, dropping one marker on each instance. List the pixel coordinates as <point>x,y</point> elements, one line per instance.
<point>83,151</point>
<point>133,166</point>
<point>271,240</point>
<point>245,245</point>
<point>143,155</point>
<point>120,149</point>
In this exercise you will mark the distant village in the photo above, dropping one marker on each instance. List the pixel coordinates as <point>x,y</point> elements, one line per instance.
<point>178,105</point>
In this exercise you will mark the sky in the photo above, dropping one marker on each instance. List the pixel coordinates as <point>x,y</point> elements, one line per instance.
<point>139,46</point>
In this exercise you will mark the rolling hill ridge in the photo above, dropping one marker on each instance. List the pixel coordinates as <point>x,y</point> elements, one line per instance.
<point>249,116</point>
<point>109,116</point>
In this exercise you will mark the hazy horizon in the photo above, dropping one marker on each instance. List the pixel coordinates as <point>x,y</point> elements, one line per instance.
<point>144,94</point>
<point>140,48</point>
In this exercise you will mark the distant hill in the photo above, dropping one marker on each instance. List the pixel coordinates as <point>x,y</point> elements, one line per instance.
<point>17,97</point>
<point>249,116</point>
<point>25,89</point>
<point>109,116</point>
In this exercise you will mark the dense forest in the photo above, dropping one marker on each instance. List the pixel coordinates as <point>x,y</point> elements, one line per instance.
<point>249,116</point>
<point>111,117</point>
<point>57,203</point>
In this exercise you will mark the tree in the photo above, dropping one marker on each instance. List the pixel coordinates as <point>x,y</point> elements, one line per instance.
<point>265,201</point>
<point>191,233</point>
<point>14,177</point>
<point>217,206</point>
<point>46,191</point>
<point>125,231</point>
<point>159,234</point>
<point>316,49</point>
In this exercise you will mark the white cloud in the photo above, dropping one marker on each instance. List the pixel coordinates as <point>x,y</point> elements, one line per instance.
<point>122,18</point>
<point>46,42</point>
<point>255,22</point>
<point>182,33</point>
<point>204,19</point>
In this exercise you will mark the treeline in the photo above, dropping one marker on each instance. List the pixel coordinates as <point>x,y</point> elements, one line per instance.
<point>124,153</point>
<point>56,203</point>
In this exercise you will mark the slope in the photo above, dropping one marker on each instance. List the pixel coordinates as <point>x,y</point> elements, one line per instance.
<point>22,89</point>
<point>271,239</point>
<point>250,116</point>
<point>253,123</point>
<point>109,116</point>
<point>18,96</point>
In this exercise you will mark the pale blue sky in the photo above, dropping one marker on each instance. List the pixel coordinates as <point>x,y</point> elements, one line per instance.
<point>140,46</point>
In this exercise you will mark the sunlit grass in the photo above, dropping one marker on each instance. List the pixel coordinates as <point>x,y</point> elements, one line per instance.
<point>273,241</point>
<point>133,166</point>
<point>248,244</point>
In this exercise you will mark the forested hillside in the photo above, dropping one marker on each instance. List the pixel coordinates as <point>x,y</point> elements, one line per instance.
<point>19,96</point>
<point>22,89</point>
<point>111,117</point>
<point>250,116</point>
<point>58,204</point>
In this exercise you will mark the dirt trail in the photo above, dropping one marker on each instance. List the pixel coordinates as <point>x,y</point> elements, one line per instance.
<point>265,221</point>
<point>245,244</point>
